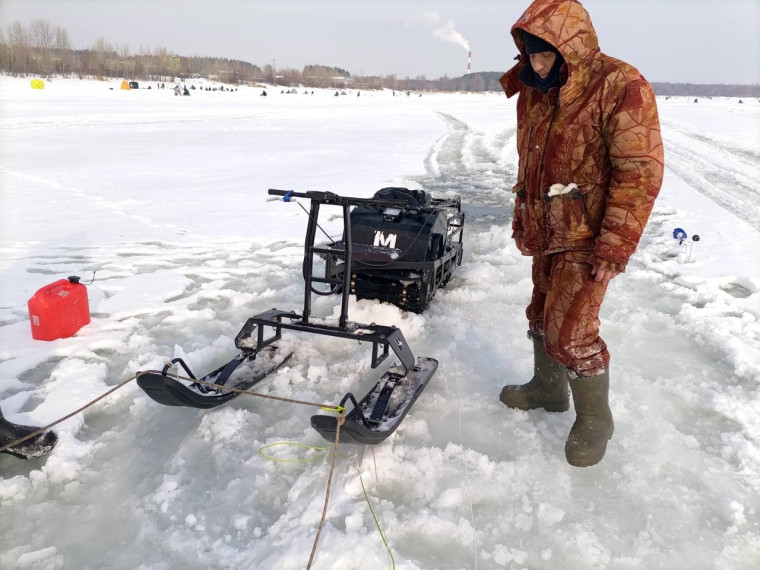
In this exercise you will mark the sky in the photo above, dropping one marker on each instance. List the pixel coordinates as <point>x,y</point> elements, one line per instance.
<point>673,40</point>
<point>162,199</point>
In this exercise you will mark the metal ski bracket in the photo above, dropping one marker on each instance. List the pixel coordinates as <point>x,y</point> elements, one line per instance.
<point>245,338</point>
<point>251,337</point>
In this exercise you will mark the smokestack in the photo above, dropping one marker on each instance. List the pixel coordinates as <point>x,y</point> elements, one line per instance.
<point>469,62</point>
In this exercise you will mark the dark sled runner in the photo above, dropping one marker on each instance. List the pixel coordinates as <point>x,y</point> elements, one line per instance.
<point>241,373</point>
<point>375,416</point>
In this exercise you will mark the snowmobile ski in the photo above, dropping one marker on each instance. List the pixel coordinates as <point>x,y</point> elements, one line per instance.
<point>241,373</point>
<point>380,412</point>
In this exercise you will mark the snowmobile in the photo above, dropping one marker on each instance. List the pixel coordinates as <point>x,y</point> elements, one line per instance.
<point>375,416</point>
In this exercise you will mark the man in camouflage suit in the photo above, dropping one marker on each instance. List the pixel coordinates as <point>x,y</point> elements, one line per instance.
<point>590,167</point>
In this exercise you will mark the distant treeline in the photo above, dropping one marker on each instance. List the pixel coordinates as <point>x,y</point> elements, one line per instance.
<point>489,81</point>
<point>718,90</point>
<point>43,50</point>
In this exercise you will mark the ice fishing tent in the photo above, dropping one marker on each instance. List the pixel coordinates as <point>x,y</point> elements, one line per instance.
<point>125,85</point>
<point>38,84</point>
<point>134,85</point>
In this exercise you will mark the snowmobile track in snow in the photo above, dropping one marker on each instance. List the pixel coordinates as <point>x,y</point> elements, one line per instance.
<point>725,173</point>
<point>470,163</point>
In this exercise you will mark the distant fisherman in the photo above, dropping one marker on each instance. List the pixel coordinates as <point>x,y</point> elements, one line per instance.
<point>590,167</point>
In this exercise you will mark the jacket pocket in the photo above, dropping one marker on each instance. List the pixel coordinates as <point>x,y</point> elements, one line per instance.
<point>567,219</point>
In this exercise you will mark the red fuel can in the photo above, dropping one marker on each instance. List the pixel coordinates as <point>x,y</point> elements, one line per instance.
<point>59,310</point>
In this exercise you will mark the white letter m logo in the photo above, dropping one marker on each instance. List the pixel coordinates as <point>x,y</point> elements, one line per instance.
<point>386,241</point>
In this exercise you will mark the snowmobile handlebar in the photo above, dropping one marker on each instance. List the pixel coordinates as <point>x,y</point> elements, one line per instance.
<point>335,199</point>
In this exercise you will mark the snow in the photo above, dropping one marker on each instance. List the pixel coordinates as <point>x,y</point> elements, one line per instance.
<point>163,198</point>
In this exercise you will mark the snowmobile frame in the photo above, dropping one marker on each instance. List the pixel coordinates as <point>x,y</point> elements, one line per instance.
<point>380,411</point>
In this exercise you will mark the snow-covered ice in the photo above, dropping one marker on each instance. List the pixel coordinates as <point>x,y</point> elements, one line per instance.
<point>164,199</point>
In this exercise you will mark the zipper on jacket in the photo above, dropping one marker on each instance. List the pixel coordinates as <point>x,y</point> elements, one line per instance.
<point>544,204</point>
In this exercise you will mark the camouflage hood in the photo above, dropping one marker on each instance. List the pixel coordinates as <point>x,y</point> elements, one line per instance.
<point>566,25</point>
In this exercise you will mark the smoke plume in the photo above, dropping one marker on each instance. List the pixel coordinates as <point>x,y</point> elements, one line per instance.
<point>445,32</point>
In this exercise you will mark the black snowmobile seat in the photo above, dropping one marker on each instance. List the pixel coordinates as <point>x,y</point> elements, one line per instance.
<point>414,198</point>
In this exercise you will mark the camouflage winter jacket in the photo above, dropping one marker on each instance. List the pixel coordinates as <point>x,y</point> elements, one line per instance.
<point>599,131</point>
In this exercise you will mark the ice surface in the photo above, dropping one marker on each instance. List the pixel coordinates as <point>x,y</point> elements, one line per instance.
<point>164,198</point>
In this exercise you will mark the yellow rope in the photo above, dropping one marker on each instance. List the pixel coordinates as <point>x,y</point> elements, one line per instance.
<point>340,410</point>
<point>325,407</point>
<point>377,523</point>
<point>309,460</point>
<point>295,444</point>
<point>64,418</point>
<point>341,419</point>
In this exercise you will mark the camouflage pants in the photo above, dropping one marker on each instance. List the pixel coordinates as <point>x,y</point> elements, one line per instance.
<point>564,309</point>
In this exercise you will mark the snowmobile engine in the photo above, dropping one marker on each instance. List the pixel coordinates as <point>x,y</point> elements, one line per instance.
<point>402,255</point>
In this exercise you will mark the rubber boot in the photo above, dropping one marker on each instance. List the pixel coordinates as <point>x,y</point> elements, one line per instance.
<point>548,387</point>
<point>593,425</point>
<point>37,446</point>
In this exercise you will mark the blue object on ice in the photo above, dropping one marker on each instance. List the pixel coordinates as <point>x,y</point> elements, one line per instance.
<point>679,233</point>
